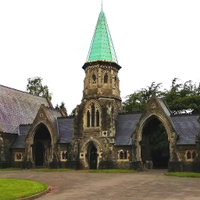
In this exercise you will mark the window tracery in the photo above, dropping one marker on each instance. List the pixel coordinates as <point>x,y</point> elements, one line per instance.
<point>92,116</point>
<point>123,155</point>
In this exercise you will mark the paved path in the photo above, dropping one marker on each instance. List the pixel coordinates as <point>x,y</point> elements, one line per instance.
<point>151,185</point>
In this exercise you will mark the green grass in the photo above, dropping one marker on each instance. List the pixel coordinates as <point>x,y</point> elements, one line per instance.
<point>112,171</point>
<point>54,170</point>
<point>10,169</point>
<point>184,174</point>
<point>17,188</point>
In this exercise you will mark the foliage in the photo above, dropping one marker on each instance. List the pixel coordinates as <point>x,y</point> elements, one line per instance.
<point>62,107</point>
<point>112,171</point>
<point>35,87</point>
<point>17,188</point>
<point>184,174</point>
<point>178,97</point>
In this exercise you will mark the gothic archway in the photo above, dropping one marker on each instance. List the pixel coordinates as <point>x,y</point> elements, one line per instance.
<point>92,156</point>
<point>41,146</point>
<point>154,144</point>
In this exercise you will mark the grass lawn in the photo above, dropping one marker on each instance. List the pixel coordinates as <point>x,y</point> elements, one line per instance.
<point>184,174</point>
<point>17,188</point>
<point>112,171</point>
<point>54,170</point>
<point>10,169</point>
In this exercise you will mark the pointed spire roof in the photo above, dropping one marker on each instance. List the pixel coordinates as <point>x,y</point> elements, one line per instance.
<point>102,47</point>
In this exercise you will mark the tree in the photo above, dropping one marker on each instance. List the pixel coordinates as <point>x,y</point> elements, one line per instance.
<point>62,108</point>
<point>178,97</point>
<point>35,87</point>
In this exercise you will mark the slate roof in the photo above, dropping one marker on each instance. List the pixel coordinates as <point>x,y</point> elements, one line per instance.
<point>20,141</point>
<point>126,124</point>
<point>187,127</point>
<point>54,114</point>
<point>66,127</point>
<point>17,107</point>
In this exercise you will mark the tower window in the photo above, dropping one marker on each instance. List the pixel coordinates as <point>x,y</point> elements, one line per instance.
<point>97,118</point>
<point>93,115</point>
<point>94,78</point>
<point>106,78</point>
<point>88,118</point>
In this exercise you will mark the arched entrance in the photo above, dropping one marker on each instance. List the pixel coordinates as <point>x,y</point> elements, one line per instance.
<point>154,144</point>
<point>39,154</point>
<point>92,156</point>
<point>41,146</point>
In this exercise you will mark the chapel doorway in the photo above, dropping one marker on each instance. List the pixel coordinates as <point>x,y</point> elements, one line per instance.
<point>41,146</point>
<point>154,145</point>
<point>93,158</point>
<point>39,154</point>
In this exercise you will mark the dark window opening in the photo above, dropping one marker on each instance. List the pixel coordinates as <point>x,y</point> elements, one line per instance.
<point>88,118</point>
<point>106,78</point>
<point>121,155</point>
<point>94,78</point>
<point>189,156</point>
<point>97,118</point>
<point>93,115</point>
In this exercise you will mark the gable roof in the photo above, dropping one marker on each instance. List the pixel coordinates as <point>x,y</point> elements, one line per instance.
<point>17,107</point>
<point>126,124</point>
<point>102,47</point>
<point>187,127</point>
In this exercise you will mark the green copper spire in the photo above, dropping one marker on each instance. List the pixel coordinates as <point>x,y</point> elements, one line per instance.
<point>102,47</point>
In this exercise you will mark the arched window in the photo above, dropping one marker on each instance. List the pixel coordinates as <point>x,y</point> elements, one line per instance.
<point>189,156</point>
<point>93,115</point>
<point>88,118</point>
<point>94,78</point>
<point>193,154</point>
<point>97,118</point>
<point>121,155</point>
<point>106,78</point>
<point>125,155</point>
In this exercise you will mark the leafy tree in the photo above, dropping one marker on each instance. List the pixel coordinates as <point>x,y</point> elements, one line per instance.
<point>178,97</point>
<point>62,107</point>
<point>35,87</point>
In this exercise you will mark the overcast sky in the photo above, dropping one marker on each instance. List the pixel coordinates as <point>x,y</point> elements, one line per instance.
<point>155,40</point>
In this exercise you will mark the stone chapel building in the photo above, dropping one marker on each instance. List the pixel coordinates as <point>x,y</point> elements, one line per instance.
<point>34,134</point>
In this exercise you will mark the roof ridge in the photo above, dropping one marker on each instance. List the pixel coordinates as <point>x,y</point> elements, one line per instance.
<point>22,91</point>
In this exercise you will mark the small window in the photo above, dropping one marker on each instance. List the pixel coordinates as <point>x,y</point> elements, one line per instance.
<point>106,78</point>
<point>18,156</point>
<point>94,78</point>
<point>93,115</point>
<point>121,155</point>
<point>190,155</point>
<point>88,118</point>
<point>97,118</point>
<point>63,155</point>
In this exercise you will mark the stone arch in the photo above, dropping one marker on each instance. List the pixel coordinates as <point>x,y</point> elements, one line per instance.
<point>86,148</point>
<point>41,120</point>
<point>172,136</point>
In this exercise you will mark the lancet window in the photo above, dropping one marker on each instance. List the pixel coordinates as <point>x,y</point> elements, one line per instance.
<point>123,155</point>
<point>18,156</point>
<point>190,155</point>
<point>93,116</point>
<point>106,78</point>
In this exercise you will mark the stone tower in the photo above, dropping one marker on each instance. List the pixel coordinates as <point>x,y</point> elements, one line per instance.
<point>95,117</point>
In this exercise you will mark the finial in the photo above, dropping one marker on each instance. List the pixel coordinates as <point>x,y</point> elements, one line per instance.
<point>101,5</point>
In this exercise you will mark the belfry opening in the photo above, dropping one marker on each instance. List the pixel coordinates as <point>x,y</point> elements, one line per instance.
<point>154,145</point>
<point>42,146</point>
